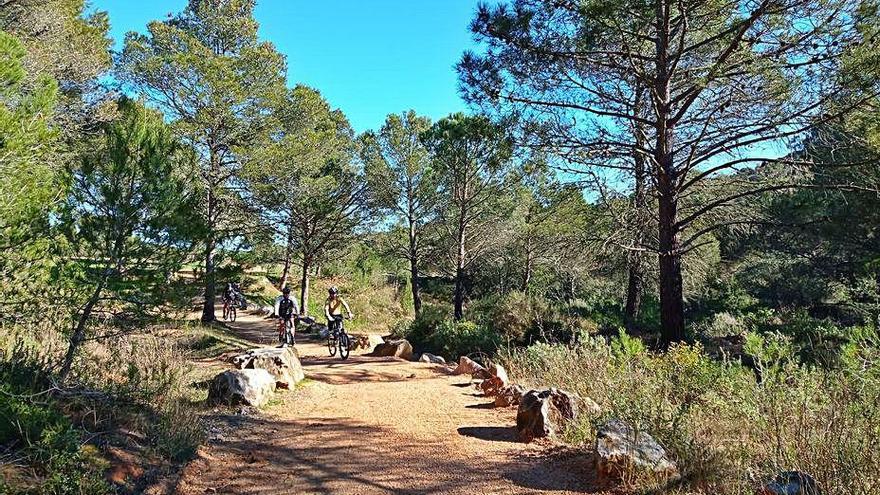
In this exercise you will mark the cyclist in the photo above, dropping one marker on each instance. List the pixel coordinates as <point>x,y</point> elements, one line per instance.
<point>286,308</point>
<point>333,308</point>
<point>230,297</point>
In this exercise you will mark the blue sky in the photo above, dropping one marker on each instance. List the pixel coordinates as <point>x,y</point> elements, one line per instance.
<point>368,57</point>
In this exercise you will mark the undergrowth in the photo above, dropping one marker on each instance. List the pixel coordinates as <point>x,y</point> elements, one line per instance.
<point>728,427</point>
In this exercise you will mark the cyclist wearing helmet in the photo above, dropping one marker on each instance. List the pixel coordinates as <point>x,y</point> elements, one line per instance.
<point>333,307</point>
<point>286,308</point>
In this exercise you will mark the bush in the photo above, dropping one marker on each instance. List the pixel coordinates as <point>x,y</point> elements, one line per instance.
<point>727,431</point>
<point>435,332</point>
<point>134,382</point>
<point>463,338</point>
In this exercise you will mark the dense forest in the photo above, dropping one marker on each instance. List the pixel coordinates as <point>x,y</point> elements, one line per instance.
<point>671,207</point>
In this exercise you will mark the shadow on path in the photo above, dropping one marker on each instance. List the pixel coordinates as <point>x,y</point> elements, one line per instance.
<point>490,433</point>
<point>320,455</point>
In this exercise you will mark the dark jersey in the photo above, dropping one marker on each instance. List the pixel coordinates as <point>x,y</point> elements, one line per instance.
<point>285,308</point>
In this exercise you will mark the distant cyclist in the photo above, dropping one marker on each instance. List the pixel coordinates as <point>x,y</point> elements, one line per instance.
<point>230,297</point>
<point>230,294</point>
<point>333,308</point>
<point>286,309</point>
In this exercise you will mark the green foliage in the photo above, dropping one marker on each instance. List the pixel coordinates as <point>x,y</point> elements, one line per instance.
<point>624,346</point>
<point>434,331</point>
<point>28,175</point>
<point>725,429</point>
<point>308,189</point>
<point>207,70</point>
<point>125,221</point>
<point>34,424</point>
<point>67,41</point>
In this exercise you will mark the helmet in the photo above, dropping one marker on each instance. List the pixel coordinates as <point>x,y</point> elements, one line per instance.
<point>333,290</point>
<point>285,290</point>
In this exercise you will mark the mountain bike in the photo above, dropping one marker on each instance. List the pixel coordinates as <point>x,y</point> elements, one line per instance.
<point>230,311</point>
<point>285,331</point>
<point>337,338</point>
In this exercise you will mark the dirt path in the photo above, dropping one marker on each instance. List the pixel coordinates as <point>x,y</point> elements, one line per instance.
<point>376,425</point>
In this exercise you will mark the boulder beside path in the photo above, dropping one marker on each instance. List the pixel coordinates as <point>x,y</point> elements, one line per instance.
<point>510,395</point>
<point>250,387</point>
<point>542,413</point>
<point>365,342</point>
<point>281,362</point>
<point>396,348</point>
<point>430,358</point>
<point>497,380</point>
<point>621,449</point>
<point>467,366</point>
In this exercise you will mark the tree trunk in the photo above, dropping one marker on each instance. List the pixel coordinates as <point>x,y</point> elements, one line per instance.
<point>634,292</point>
<point>635,262</point>
<point>288,252</point>
<point>210,246</point>
<point>414,282</point>
<point>671,292</point>
<point>527,269</point>
<point>304,288</point>
<point>459,294</point>
<point>458,299</point>
<point>210,281</point>
<point>414,268</point>
<point>79,332</point>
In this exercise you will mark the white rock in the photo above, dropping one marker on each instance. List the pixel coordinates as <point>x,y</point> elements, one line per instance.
<point>251,387</point>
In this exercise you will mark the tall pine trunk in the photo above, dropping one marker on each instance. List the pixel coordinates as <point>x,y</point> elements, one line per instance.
<point>458,298</point>
<point>208,315</point>
<point>288,253</point>
<point>304,288</point>
<point>210,282</point>
<point>671,287</point>
<point>79,331</point>
<point>635,258</point>
<point>671,291</point>
<point>414,268</point>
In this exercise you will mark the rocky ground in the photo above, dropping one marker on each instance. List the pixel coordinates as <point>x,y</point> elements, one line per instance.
<point>376,425</point>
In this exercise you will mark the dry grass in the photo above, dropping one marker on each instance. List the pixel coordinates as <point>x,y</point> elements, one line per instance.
<point>728,432</point>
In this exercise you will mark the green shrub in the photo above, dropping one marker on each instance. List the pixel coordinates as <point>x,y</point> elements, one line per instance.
<point>726,430</point>
<point>434,331</point>
<point>463,338</point>
<point>135,382</point>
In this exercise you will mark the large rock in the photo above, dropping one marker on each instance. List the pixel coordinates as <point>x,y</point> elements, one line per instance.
<point>492,386</point>
<point>251,387</point>
<point>365,342</point>
<point>430,358</point>
<point>620,450</point>
<point>395,348</point>
<point>510,395</point>
<point>791,483</point>
<point>543,412</point>
<point>498,371</point>
<point>467,366</point>
<point>496,381</point>
<point>281,363</point>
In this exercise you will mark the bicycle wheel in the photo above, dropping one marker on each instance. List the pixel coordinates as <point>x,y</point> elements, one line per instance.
<point>288,333</point>
<point>344,345</point>
<point>232,313</point>
<point>331,345</point>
